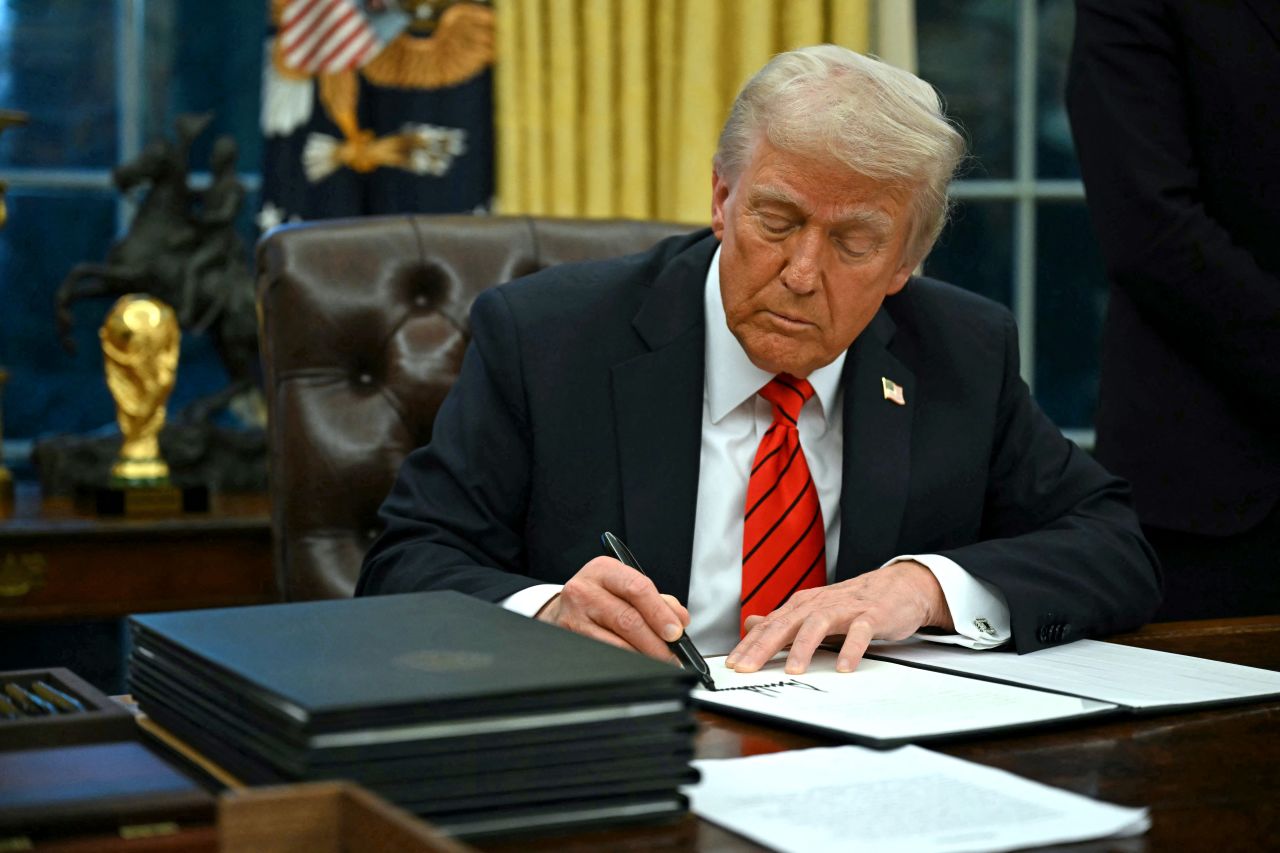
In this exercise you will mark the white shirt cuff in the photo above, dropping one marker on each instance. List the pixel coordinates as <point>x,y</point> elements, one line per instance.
<point>978,609</point>
<point>527,602</point>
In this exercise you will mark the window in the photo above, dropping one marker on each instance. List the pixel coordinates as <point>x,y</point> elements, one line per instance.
<point>1021,231</point>
<point>98,80</point>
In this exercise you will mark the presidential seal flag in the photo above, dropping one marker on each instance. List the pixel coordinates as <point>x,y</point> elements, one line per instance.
<point>370,110</point>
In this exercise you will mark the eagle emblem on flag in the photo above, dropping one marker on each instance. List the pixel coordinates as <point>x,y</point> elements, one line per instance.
<point>345,109</point>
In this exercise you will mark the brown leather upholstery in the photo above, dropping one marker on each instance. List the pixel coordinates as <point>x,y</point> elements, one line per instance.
<point>364,323</point>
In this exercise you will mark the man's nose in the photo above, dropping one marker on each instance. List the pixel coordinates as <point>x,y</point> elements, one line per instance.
<point>803,269</point>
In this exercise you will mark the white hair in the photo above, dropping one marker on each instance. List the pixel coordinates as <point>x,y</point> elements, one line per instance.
<point>878,120</point>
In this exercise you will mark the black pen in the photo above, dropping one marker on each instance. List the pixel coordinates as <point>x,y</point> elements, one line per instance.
<point>683,648</point>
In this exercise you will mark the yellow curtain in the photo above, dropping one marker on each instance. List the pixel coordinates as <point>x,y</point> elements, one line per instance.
<point>895,32</point>
<point>612,108</point>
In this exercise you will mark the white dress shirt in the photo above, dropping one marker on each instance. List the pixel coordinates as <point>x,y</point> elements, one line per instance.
<point>734,419</point>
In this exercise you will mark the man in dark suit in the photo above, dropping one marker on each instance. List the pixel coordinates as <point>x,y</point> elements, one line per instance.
<point>795,435</point>
<point>1175,109</point>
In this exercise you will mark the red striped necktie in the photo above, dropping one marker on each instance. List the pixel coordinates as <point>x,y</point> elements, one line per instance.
<point>783,542</point>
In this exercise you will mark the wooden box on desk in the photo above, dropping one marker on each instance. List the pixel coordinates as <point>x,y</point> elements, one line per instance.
<point>323,817</point>
<point>103,719</point>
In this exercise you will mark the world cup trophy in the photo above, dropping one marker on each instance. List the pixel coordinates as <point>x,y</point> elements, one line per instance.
<point>140,340</point>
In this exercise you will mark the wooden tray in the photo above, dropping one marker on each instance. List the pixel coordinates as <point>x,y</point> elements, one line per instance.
<point>102,720</point>
<point>323,817</point>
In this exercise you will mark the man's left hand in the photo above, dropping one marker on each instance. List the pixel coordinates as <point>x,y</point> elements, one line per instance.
<point>890,603</point>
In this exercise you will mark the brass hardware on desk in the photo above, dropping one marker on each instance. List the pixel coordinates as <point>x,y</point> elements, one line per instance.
<point>148,830</point>
<point>21,573</point>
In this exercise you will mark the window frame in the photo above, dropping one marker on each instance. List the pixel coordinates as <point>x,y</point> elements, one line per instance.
<point>1026,191</point>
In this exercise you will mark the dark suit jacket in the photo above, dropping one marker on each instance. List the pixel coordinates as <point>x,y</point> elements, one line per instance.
<point>1175,108</point>
<point>578,410</point>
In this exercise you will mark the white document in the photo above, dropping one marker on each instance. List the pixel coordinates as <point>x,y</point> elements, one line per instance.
<point>907,799</point>
<point>1125,675</point>
<point>884,702</point>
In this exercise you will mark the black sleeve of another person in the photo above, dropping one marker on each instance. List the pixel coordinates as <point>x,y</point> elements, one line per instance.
<point>1158,118</point>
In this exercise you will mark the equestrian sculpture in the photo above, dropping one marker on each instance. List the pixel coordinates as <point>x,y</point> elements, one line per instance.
<point>181,248</point>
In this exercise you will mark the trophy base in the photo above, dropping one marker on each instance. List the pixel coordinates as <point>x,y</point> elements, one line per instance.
<point>140,472</point>
<point>223,458</point>
<point>146,500</point>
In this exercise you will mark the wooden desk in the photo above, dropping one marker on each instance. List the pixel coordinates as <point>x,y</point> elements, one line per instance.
<point>57,563</point>
<point>1211,779</point>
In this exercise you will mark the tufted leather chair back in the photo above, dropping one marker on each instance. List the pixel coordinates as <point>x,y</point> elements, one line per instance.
<point>363,327</point>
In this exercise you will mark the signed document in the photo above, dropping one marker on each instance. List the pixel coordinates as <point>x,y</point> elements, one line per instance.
<point>882,702</point>
<point>854,798</point>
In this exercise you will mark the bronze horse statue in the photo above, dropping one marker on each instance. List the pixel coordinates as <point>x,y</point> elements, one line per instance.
<point>181,248</point>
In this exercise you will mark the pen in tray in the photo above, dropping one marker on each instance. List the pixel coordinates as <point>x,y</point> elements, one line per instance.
<point>64,702</point>
<point>27,702</point>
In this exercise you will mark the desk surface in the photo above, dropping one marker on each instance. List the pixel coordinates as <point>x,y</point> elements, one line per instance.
<point>1211,778</point>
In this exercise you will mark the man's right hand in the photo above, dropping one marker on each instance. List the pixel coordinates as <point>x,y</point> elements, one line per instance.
<point>615,604</point>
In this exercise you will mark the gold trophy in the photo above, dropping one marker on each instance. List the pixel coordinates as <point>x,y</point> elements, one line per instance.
<point>140,340</point>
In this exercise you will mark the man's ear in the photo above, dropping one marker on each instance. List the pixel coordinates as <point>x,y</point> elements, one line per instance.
<point>900,277</point>
<point>719,200</point>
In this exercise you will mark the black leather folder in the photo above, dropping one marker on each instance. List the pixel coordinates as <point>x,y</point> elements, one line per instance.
<point>347,666</point>
<point>437,701</point>
<point>256,760</point>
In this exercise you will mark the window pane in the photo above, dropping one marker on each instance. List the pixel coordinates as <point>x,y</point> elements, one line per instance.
<point>206,57</point>
<point>1071,300</point>
<point>57,62</point>
<point>966,50</point>
<point>1055,151</point>
<point>975,250</point>
<point>50,389</point>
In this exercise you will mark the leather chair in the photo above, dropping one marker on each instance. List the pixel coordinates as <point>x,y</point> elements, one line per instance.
<point>363,326</point>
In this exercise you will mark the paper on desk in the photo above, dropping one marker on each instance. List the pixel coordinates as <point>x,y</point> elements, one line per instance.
<point>855,798</point>
<point>1125,675</point>
<point>885,701</point>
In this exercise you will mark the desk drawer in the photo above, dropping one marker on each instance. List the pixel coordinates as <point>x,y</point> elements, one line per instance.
<point>66,578</point>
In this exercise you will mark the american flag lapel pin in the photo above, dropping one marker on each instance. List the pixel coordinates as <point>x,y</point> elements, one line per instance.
<point>892,391</point>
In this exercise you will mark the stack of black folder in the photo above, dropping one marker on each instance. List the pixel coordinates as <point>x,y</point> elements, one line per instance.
<point>482,721</point>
